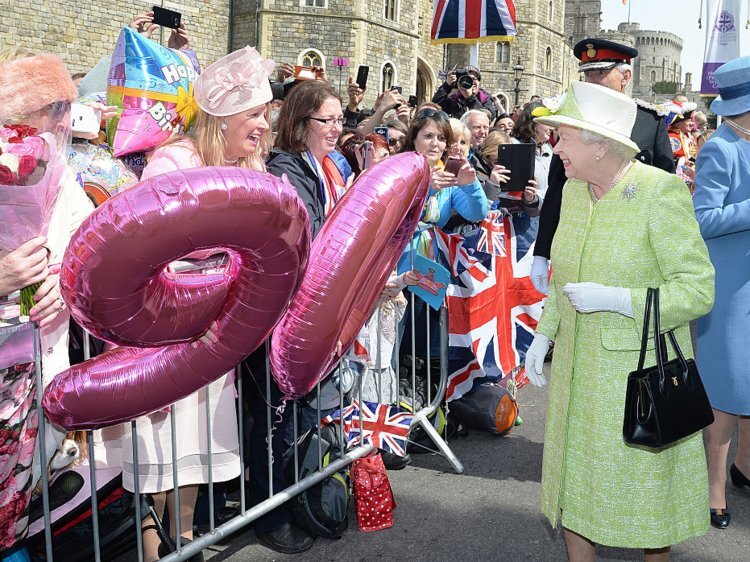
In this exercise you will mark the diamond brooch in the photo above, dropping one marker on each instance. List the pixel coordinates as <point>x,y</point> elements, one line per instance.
<point>630,192</point>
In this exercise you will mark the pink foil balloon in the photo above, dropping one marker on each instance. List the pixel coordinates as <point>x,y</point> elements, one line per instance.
<point>350,261</point>
<point>113,279</point>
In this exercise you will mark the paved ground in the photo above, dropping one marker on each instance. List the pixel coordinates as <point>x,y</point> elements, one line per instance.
<point>491,512</point>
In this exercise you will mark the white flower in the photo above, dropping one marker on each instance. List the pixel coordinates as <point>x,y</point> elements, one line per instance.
<point>554,103</point>
<point>9,160</point>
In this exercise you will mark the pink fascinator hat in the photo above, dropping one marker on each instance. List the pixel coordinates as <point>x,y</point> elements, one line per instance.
<point>234,83</point>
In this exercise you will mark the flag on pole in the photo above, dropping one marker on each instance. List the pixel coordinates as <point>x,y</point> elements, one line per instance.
<point>470,21</point>
<point>722,40</point>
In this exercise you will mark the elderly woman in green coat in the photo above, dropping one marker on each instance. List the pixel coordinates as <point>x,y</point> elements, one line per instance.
<point>624,227</point>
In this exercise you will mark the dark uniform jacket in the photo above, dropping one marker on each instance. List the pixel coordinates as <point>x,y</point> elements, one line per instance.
<point>649,133</point>
<point>304,179</point>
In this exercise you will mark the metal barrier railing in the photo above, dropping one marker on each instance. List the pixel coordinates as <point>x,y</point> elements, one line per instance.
<point>247,516</point>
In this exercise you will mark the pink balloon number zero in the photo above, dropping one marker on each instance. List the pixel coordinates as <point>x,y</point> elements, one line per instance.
<point>350,261</point>
<point>115,280</point>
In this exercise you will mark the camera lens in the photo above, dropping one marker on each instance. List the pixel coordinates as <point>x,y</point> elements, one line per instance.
<point>466,82</point>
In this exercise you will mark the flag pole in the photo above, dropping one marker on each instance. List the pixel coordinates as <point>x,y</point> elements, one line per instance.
<point>630,5</point>
<point>700,16</point>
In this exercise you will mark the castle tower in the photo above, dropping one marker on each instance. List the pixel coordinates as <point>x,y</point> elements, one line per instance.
<point>582,20</point>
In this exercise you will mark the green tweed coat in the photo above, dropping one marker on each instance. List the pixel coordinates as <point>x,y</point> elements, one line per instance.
<point>642,233</point>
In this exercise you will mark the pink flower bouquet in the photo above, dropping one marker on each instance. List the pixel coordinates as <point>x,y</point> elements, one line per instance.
<point>31,169</point>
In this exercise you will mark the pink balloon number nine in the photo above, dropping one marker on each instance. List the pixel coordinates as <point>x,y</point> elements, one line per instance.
<point>350,261</point>
<point>115,281</point>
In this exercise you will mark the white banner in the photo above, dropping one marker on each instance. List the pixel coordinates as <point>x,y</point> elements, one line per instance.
<point>722,40</point>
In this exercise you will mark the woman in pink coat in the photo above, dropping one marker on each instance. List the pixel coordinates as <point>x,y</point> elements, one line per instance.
<point>230,130</point>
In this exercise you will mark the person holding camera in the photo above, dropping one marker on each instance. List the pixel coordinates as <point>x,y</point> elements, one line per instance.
<point>462,91</point>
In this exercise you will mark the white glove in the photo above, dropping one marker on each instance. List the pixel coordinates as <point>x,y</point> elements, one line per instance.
<point>593,297</point>
<point>535,360</point>
<point>540,274</point>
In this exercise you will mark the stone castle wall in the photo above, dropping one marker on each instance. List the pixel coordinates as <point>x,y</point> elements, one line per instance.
<point>82,32</point>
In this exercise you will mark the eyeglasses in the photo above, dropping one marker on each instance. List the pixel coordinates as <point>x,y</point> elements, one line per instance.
<point>430,112</point>
<point>329,121</point>
<point>395,142</point>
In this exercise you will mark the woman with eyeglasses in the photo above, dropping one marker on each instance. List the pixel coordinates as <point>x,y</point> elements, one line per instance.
<point>309,126</point>
<point>430,134</point>
<point>458,196</point>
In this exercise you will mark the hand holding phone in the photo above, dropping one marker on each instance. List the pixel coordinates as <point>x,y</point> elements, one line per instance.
<point>382,131</point>
<point>305,73</point>
<point>454,165</point>
<point>362,73</point>
<point>84,121</point>
<point>166,18</point>
<point>520,160</point>
<point>366,155</point>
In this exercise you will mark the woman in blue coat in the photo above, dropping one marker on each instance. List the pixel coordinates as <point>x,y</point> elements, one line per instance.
<point>722,205</point>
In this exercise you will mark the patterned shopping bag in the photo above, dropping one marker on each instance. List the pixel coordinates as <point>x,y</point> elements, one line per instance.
<point>373,494</point>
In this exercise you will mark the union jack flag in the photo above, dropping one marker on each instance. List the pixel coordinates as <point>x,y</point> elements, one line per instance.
<point>469,21</point>
<point>493,308</point>
<point>490,239</point>
<point>385,427</point>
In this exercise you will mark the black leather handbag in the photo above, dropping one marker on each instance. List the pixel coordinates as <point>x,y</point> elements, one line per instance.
<point>666,402</point>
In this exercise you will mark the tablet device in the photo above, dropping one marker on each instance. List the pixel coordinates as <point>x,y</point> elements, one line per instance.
<point>519,159</point>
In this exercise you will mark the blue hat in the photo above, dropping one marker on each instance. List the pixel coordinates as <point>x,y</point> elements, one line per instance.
<point>733,81</point>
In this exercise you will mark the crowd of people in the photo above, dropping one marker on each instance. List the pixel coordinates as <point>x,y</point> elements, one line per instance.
<point>623,222</point>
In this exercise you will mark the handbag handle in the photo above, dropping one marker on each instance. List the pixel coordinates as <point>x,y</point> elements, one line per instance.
<point>646,324</point>
<point>660,344</point>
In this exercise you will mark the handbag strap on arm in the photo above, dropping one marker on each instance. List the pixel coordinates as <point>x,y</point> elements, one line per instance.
<point>646,324</point>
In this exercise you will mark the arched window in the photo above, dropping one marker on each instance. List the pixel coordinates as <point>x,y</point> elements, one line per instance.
<point>548,59</point>
<point>311,57</point>
<point>388,77</point>
<point>653,76</point>
<point>502,52</point>
<point>549,10</point>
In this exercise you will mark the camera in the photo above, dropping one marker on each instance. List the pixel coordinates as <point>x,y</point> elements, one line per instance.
<point>466,82</point>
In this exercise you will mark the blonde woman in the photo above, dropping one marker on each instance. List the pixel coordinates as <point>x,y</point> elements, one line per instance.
<point>230,130</point>
<point>461,144</point>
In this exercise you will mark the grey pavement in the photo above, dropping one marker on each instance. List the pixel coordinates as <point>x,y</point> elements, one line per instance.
<point>491,512</point>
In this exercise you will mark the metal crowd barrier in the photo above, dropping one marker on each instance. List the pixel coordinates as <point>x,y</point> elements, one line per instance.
<point>248,515</point>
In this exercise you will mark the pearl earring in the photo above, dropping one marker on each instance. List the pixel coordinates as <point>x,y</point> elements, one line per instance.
<point>598,158</point>
<point>223,126</point>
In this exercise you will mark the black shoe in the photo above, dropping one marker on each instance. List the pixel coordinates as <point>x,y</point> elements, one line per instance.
<point>720,518</point>
<point>738,479</point>
<point>287,539</point>
<point>394,462</point>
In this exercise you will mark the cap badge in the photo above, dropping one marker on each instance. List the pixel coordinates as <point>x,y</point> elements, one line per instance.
<point>590,51</point>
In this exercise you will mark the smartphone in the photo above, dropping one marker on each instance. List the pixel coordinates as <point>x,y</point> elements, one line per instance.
<point>519,159</point>
<point>382,131</point>
<point>305,73</point>
<point>166,18</point>
<point>367,155</point>
<point>362,73</point>
<point>399,89</point>
<point>412,101</point>
<point>84,121</point>
<point>453,165</point>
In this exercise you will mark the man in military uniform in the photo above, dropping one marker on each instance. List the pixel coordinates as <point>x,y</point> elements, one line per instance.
<point>605,63</point>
